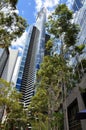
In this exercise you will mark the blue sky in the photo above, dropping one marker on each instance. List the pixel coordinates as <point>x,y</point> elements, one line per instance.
<point>29,8</point>
<point>26,10</point>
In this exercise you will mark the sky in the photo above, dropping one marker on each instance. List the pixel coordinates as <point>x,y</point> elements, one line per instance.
<point>26,10</point>
<point>29,8</point>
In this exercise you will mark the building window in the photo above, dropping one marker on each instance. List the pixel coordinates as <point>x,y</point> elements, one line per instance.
<point>72,110</point>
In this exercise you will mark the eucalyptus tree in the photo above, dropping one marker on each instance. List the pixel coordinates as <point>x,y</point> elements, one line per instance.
<point>11,24</point>
<point>38,109</point>
<point>60,25</point>
<point>13,112</point>
<point>45,101</point>
<point>80,61</point>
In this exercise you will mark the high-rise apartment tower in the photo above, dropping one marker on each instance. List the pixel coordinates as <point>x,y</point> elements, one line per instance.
<point>77,4</point>
<point>32,57</point>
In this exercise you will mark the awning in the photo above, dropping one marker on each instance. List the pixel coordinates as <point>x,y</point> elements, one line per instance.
<point>81,115</point>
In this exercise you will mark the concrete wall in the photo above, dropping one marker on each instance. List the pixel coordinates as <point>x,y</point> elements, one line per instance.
<point>11,62</point>
<point>4,53</point>
<point>75,94</point>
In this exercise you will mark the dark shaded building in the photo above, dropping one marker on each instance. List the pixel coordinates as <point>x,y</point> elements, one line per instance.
<point>74,103</point>
<point>4,53</point>
<point>28,78</point>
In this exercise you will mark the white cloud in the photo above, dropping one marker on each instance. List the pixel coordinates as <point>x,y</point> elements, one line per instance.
<point>69,3</point>
<point>48,4</point>
<point>39,4</point>
<point>45,3</point>
<point>20,42</point>
<point>22,12</point>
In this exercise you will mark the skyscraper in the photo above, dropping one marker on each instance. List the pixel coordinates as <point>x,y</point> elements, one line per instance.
<point>22,65</point>
<point>40,24</point>
<point>80,19</point>
<point>32,57</point>
<point>4,54</point>
<point>7,64</point>
<point>10,65</point>
<point>77,4</point>
<point>75,100</point>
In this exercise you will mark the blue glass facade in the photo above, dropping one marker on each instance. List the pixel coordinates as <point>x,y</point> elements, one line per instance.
<point>80,19</point>
<point>77,4</point>
<point>21,70</point>
<point>40,24</point>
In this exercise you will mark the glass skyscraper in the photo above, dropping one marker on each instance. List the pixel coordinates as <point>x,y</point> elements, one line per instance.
<point>77,4</point>
<point>32,57</point>
<point>40,24</point>
<point>21,69</point>
<point>80,19</point>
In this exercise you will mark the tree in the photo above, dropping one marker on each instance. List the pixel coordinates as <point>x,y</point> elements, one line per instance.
<point>45,100</point>
<point>60,25</point>
<point>11,24</point>
<point>9,100</point>
<point>55,72</point>
<point>38,110</point>
<point>79,68</point>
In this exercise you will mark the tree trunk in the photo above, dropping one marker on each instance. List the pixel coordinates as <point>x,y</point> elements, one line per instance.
<point>66,114</point>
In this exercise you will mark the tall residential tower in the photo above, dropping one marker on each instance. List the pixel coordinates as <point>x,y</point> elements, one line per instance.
<point>32,57</point>
<point>77,4</point>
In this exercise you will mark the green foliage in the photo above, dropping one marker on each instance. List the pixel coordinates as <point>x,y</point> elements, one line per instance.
<point>13,2</point>
<point>59,24</point>
<point>49,46</point>
<point>9,99</point>
<point>59,117</point>
<point>82,63</point>
<point>11,25</point>
<point>82,90</point>
<point>79,48</point>
<point>46,99</point>
<point>8,95</point>
<point>70,36</point>
<point>59,20</point>
<point>55,69</point>
<point>39,101</point>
